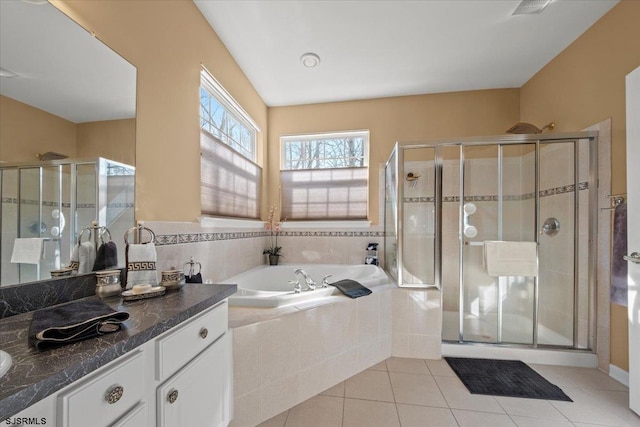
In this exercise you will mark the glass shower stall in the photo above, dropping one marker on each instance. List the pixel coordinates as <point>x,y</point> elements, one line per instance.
<point>446,202</point>
<point>53,201</point>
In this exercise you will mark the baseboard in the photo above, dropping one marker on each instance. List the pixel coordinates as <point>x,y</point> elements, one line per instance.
<point>619,375</point>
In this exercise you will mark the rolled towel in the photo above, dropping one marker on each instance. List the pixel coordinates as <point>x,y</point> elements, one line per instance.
<point>141,264</point>
<point>74,263</point>
<point>87,255</point>
<point>351,288</point>
<point>76,321</point>
<point>27,250</point>
<point>107,257</point>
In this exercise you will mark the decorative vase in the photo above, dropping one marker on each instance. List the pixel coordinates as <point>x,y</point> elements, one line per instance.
<point>273,259</point>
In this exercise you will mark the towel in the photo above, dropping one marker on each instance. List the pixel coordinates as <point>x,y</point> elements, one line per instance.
<point>351,288</point>
<point>510,258</point>
<point>619,267</point>
<point>87,257</point>
<point>27,250</point>
<point>141,264</point>
<point>107,257</point>
<point>76,321</point>
<point>74,263</point>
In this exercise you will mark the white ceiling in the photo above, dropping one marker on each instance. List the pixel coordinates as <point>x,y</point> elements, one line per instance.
<point>375,48</point>
<point>63,69</point>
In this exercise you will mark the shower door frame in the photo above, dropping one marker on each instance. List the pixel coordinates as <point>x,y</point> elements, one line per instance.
<point>500,141</point>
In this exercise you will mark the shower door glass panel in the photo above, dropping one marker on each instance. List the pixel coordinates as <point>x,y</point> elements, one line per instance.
<point>556,252</point>
<point>390,216</point>
<point>9,225</point>
<point>517,223</point>
<point>29,220</point>
<point>450,242</point>
<point>480,302</point>
<point>419,217</point>
<point>86,195</point>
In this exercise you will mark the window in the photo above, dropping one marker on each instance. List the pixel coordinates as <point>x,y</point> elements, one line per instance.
<point>325,176</point>
<point>230,178</point>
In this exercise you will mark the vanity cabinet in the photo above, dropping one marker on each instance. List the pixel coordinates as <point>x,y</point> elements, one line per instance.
<point>183,377</point>
<point>199,394</point>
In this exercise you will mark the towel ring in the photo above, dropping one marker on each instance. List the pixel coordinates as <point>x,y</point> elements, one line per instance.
<point>152,235</point>
<point>104,230</point>
<point>191,263</point>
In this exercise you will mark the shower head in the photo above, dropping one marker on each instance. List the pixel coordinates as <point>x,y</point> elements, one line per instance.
<point>51,155</point>
<point>529,128</point>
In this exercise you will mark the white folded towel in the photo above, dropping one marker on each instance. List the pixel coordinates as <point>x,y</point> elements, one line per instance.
<point>141,264</point>
<point>86,257</point>
<point>510,258</point>
<point>27,250</point>
<point>74,262</point>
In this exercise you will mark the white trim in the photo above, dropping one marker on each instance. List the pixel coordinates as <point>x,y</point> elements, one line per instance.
<point>527,355</point>
<point>619,375</point>
<point>209,222</point>
<point>326,225</point>
<point>226,98</point>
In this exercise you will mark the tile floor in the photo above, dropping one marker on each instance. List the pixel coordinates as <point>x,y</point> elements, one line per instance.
<point>416,392</point>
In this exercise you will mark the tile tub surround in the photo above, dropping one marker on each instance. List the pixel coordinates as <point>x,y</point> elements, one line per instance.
<point>35,375</point>
<point>224,253</point>
<point>284,356</point>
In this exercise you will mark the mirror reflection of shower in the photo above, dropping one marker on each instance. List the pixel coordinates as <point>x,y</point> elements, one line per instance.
<point>45,205</point>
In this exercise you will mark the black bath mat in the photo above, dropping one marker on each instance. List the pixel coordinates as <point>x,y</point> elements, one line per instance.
<point>511,378</point>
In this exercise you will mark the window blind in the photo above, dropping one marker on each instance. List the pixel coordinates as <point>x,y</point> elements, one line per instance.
<point>320,194</point>
<point>230,183</point>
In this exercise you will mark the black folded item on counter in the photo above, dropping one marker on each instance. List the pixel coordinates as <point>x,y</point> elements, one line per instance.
<point>76,321</point>
<point>351,288</point>
<point>194,278</point>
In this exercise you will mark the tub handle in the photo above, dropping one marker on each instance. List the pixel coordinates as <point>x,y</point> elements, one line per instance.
<point>325,281</point>
<point>296,286</point>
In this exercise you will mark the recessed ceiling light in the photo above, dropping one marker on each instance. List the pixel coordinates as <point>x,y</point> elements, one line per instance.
<point>531,7</point>
<point>310,60</point>
<point>6,73</point>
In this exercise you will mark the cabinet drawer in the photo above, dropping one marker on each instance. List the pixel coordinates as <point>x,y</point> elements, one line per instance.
<point>181,345</point>
<point>103,398</point>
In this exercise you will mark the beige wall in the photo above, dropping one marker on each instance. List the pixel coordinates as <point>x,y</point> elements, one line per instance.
<point>407,118</point>
<point>26,131</point>
<point>167,41</point>
<point>584,85</point>
<point>111,139</point>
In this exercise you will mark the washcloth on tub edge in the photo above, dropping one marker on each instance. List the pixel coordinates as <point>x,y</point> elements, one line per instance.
<point>76,321</point>
<point>351,288</point>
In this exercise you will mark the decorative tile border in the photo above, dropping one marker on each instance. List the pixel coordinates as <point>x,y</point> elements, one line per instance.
<point>494,198</point>
<point>13,200</point>
<point>176,239</point>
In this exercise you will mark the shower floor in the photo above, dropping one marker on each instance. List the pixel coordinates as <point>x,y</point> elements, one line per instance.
<point>515,329</point>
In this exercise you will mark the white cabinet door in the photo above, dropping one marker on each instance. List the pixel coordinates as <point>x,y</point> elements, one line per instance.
<point>137,417</point>
<point>200,394</point>
<point>633,233</point>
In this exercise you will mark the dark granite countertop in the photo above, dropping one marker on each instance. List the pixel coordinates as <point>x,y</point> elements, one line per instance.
<point>35,375</point>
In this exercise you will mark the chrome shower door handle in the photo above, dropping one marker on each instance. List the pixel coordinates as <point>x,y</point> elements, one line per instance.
<point>634,257</point>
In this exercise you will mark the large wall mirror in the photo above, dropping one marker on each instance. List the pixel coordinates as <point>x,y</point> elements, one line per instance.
<point>67,141</point>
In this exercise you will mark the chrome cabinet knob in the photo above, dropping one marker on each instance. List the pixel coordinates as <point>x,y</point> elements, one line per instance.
<point>203,333</point>
<point>114,394</point>
<point>173,396</point>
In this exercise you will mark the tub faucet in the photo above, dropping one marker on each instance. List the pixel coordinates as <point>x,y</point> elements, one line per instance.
<point>296,286</point>
<point>311,285</point>
<point>325,281</point>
